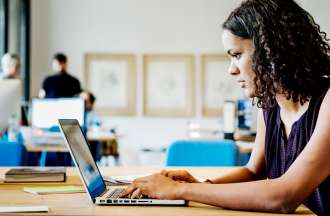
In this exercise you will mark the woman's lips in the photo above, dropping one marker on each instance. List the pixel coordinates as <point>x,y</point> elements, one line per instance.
<point>241,83</point>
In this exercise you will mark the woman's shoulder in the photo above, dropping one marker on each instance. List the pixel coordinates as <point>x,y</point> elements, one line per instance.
<point>324,87</point>
<point>324,93</point>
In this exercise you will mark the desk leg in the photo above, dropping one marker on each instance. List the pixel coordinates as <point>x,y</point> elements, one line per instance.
<point>43,158</point>
<point>110,153</point>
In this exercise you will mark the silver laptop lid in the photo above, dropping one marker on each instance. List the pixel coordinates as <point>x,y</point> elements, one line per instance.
<point>82,156</point>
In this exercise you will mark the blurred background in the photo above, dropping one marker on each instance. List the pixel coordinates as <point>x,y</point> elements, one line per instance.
<point>156,69</point>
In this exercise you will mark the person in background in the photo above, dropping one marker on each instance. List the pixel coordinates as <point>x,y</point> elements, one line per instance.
<point>92,123</point>
<point>280,57</point>
<point>91,118</point>
<point>10,65</point>
<point>61,84</point>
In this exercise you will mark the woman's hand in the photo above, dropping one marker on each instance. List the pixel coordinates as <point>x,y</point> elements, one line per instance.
<point>179,175</point>
<point>154,186</point>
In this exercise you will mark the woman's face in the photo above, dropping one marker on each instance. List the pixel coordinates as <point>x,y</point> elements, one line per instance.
<point>240,51</point>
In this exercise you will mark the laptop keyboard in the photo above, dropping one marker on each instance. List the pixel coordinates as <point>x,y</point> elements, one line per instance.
<point>114,194</point>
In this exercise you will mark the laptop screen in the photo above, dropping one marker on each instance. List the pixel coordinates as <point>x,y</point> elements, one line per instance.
<point>82,156</point>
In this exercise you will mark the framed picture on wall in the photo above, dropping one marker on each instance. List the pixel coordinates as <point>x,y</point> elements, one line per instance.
<point>169,85</point>
<point>112,78</point>
<point>217,84</point>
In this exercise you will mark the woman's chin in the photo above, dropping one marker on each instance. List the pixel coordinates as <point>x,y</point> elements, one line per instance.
<point>249,93</point>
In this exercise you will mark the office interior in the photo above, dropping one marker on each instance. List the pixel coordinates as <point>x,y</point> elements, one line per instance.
<point>132,34</point>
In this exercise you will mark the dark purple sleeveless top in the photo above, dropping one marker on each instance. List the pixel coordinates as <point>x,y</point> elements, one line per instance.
<point>281,152</point>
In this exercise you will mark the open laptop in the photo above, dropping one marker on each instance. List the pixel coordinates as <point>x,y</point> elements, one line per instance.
<point>90,174</point>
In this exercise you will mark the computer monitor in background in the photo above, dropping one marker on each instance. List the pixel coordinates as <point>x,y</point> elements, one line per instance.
<point>46,112</point>
<point>10,99</point>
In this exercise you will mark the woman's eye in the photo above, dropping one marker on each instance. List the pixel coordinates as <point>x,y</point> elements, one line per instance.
<point>236,55</point>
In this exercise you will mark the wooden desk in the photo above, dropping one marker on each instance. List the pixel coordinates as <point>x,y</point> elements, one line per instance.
<point>79,203</point>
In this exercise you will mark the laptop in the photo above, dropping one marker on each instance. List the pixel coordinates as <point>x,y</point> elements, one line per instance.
<point>90,175</point>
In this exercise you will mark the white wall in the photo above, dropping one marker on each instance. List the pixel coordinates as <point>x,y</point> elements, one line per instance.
<point>320,11</point>
<point>79,26</point>
<point>144,26</point>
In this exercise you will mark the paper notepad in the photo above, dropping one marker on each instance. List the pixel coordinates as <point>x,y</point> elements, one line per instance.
<point>8,209</point>
<point>54,189</point>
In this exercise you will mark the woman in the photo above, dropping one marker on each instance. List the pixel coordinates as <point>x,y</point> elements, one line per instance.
<point>280,58</point>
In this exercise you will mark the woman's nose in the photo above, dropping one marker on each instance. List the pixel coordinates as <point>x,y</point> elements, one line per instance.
<point>233,69</point>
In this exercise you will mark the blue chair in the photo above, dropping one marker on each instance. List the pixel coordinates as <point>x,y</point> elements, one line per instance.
<point>244,158</point>
<point>202,153</point>
<point>12,154</point>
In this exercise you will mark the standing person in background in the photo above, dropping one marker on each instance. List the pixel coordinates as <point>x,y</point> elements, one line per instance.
<point>10,66</point>
<point>61,84</point>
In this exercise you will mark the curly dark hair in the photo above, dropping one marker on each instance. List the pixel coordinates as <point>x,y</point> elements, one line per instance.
<point>291,54</point>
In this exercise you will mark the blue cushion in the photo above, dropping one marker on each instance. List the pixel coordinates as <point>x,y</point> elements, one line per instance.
<point>54,129</point>
<point>202,153</point>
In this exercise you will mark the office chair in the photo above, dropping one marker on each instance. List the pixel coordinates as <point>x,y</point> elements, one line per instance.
<point>202,153</point>
<point>12,154</point>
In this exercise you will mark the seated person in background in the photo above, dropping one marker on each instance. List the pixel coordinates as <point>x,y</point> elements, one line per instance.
<point>10,66</point>
<point>91,118</point>
<point>280,57</point>
<point>60,84</point>
<point>92,123</point>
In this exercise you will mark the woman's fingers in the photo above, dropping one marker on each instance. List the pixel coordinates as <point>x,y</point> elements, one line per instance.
<point>174,174</point>
<point>136,193</point>
<point>164,172</point>
<point>178,175</point>
<point>155,186</point>
<point>171,174</point>
<point>134,189</point>
<point>128,191</point>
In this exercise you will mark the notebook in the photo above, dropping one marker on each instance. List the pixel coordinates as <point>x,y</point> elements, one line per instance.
<point>38,174</point>
<point>12,209</point>
<point>54,189</point>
